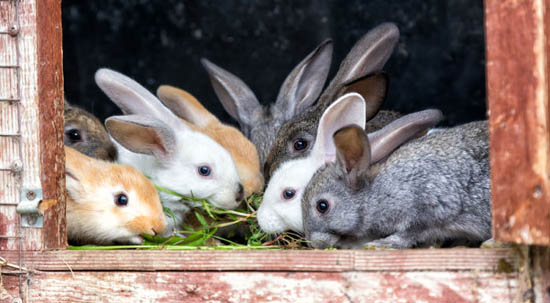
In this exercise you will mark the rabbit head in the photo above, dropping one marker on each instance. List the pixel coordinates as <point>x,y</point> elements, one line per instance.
<point>299,91</point>
<point>334,202</point>
<point>167,150</point>
<point>85,133</point>
<point>109,203</point>
<point>368,56</point>
<point>196,116</point>
<point>280,209</point>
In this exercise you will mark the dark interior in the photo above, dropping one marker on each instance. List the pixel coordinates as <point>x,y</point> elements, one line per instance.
<point>438,63</point>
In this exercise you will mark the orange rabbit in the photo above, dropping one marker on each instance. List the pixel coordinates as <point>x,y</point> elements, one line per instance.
<point>193,113</point>
<point>109,203</point>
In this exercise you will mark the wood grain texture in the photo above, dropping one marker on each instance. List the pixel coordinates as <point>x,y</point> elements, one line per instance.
<point>190,287</point>
<point>287,260</point>
<point>517,91</point>
<point>50,95</point>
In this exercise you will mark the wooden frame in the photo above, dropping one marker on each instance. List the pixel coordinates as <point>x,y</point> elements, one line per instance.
<point>517,73</point>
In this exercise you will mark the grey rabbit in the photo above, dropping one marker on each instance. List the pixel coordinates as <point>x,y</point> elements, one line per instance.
<point>365,60</point>
<point>85,133</point>
<point>300,90</point>
<point>429,190</point>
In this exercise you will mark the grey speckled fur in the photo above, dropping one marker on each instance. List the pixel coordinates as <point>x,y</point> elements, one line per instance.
<point>431,189</point>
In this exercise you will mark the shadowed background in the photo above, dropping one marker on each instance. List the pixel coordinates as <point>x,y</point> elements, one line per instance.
<point>438,63</point>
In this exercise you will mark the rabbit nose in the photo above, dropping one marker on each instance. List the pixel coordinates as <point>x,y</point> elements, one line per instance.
<point>154,232</point>
<point>240,192</point>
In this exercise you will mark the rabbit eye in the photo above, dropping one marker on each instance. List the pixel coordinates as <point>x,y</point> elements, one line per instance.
<point>73,134</point>
<point>288,193</point>
<point>300,144</point>
<point>204,171</point>
<point>322,206</point>
<point>121,200</point>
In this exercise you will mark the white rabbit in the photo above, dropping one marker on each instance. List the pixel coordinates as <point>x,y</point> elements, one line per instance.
<point>162,147</point>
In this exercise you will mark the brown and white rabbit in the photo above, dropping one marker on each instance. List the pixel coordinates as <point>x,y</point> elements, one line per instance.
<point>85,133</point>
<point>109,203</point>
<point>196,116</point>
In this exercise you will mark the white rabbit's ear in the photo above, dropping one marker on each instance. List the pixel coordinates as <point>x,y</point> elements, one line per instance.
<point>132,98</point>
<point>143,135</point>
<point>354,154</point>
<point>393,135</point>
<point>347,110</point>
<point>185,105</point>
<point>237,98</point>
<point>304,84</point>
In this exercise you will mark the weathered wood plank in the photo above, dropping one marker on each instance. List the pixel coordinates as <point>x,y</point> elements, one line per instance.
<point>50,94</point>
<point>517,91</point>
<point>288,260</point>
<point>372,287</point>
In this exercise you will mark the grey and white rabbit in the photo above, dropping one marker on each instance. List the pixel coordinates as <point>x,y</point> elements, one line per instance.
<point>431,189</point>
<point>355,74</point>
<point>85,133</point>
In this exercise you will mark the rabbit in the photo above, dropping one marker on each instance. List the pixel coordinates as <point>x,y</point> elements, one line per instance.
<point>85,133</point>
<point>109,203</point>
<point>432,189</point>
<point>280,209</point>
<point>197,117</point>
<point>171,154</point>
<point>297,135</point>
<point>299,91</point>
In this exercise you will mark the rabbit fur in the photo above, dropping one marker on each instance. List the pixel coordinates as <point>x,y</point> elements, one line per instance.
<point>431,189</point>
<point>367,57</point>
<point>198,118</point>
<point>85,133</point>
<point>93,217</point>
<point>171,154</point>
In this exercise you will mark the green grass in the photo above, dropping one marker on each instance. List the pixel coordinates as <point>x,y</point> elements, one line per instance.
<point>240,226</point>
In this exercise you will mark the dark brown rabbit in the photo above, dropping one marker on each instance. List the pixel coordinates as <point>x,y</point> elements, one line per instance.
<point>85,133</point>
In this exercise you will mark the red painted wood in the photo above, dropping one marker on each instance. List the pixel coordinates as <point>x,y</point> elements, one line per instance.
<point>517,92</point>
<point>50,94</point>
<point>190,287</point>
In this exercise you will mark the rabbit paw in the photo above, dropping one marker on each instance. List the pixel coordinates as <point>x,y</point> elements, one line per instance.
<point>391,242</point>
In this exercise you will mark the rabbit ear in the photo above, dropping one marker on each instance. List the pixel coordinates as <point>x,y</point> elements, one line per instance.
<point>373,88</point>
<point>353,153</point>
<point>132,98</point>
<point>393,135</point>
<point>143,135</point>
<point>303,85</point>
<point>367,56</point>
<point>347,110</point>
<point>185,105</point>
<point>237,98</point>
<point>75,164</point>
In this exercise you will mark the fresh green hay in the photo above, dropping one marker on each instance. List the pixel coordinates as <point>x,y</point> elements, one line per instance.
<point>211,219</point>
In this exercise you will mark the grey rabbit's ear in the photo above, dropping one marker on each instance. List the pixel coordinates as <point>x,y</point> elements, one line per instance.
<point>393,135</point>
<point>132,98</point>
<point>304,84</point>
<point>373,88</point>
<point>369,54</point>
<point>143,135</point>
<point>237,98</point>
<point>353,153</point>
<point>66,104</point>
